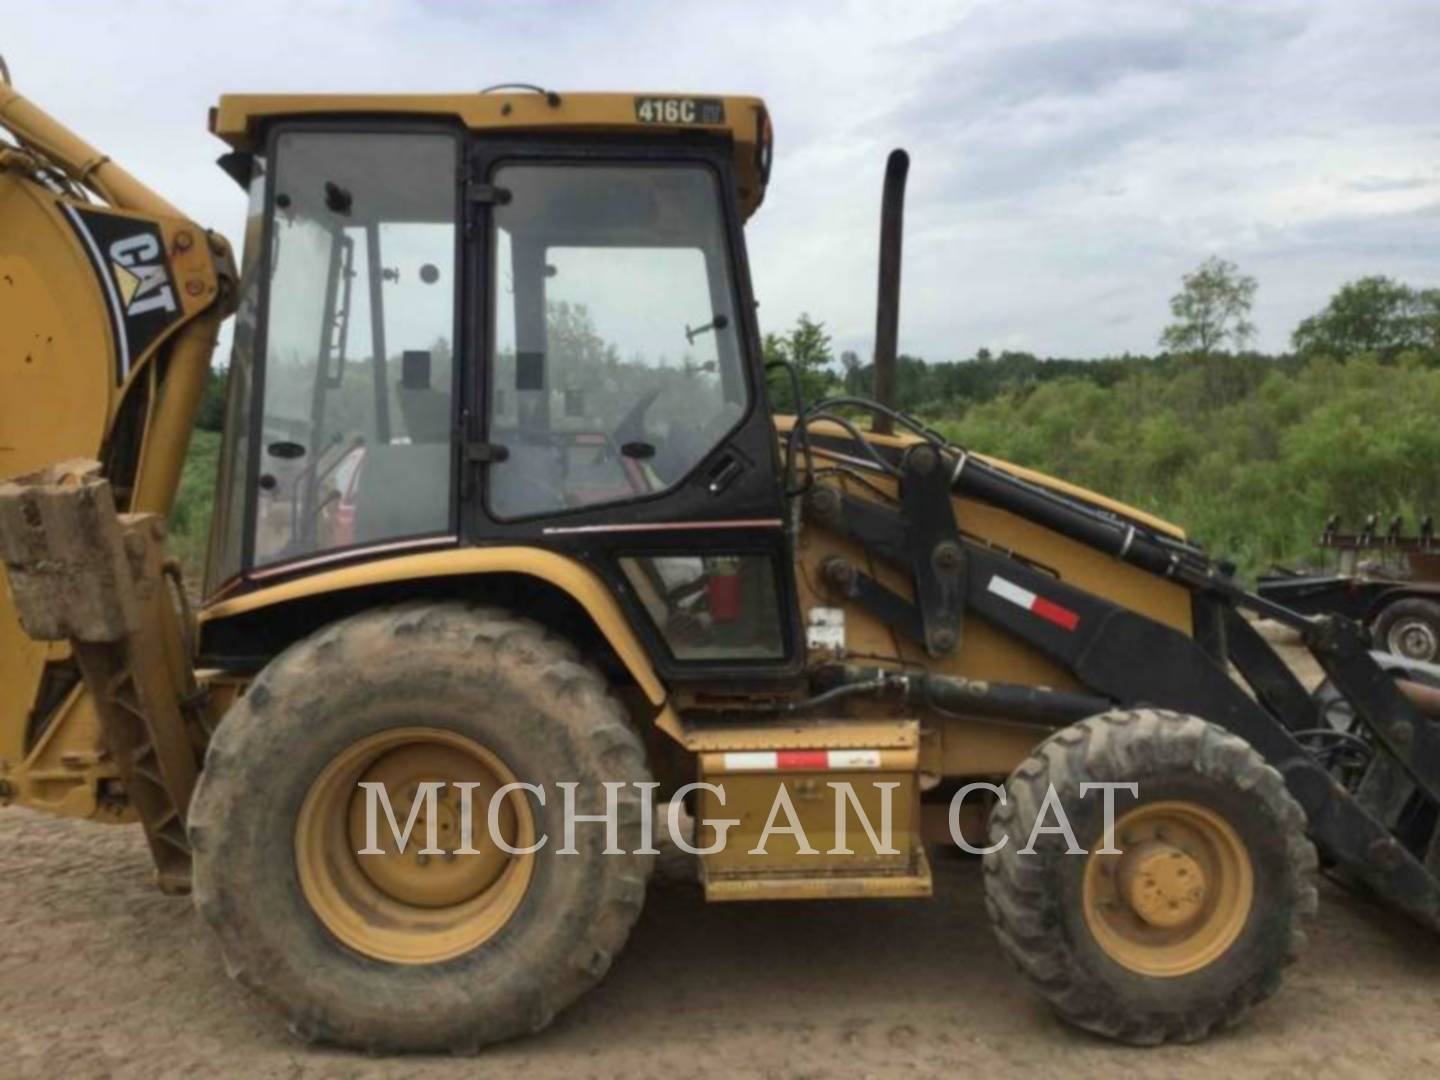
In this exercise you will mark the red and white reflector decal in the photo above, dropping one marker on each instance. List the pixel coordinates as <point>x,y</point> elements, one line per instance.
<point>1036,605</point>
<point>801,760</point>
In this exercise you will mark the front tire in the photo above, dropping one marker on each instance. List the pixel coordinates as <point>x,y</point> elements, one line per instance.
<point>1192,925</point>
<point>408,952</point>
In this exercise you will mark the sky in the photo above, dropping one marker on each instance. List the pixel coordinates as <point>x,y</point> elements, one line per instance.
<point>1071,159</point>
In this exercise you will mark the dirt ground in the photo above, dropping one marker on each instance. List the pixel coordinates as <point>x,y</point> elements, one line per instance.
<point>100,975</point>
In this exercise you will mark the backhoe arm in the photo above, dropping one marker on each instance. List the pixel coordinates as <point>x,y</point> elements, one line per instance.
<point>51,145</point>
<point>110,304</point>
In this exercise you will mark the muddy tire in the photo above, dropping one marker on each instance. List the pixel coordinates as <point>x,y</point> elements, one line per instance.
<point>1409,628</point>
<point>1105,945</point>
<point>474,676</point>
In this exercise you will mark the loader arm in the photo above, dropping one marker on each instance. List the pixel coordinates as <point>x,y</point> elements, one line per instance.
<point>110,303</point>
<point>1382,829</point>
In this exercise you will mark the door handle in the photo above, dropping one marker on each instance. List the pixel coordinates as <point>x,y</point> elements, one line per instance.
<point>723,473</point>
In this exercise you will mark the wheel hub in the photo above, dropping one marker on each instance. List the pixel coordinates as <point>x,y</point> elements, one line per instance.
<point>1162,884</point>
<point>1413,639</point>
<point>412,875</point>
<point>406,905</point>
<point>1177,893</point>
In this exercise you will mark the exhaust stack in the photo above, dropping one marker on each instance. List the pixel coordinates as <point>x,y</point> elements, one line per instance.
<point>887,304</point>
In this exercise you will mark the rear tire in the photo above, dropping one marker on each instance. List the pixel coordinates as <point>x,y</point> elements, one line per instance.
<point>1410,628</point>
<point>469,676</point>
<point>1107,954</point>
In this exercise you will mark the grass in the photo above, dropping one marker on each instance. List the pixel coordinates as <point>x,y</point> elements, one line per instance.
<point>190,519</point>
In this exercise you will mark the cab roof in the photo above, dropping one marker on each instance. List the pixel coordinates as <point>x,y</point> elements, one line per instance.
<point>241,119</point>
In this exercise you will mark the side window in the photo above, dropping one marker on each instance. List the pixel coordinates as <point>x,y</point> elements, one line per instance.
<point>616,366</point>
<point>356,431</point>
<point>712,607</point>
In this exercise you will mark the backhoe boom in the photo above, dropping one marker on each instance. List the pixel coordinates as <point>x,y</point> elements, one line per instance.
<point>110,304</point>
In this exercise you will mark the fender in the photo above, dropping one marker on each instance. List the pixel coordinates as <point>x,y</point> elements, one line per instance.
<point>1407,590</point>
<point>581,583</point>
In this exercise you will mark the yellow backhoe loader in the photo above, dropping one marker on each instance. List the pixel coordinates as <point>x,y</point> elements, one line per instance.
<point>504,522</point>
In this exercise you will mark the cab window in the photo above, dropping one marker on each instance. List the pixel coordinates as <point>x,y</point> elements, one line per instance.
<point>616,363</point>
<point>355,436</point>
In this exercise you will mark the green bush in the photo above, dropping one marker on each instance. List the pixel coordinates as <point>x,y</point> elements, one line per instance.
<point>190,518</point>
<point>1251,461</point>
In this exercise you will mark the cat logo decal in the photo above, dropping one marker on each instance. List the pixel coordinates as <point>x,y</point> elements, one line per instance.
<point>129,258</point>
<point>141,279</point>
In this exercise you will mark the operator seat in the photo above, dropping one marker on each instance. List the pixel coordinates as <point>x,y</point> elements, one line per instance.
<point>403,487</point>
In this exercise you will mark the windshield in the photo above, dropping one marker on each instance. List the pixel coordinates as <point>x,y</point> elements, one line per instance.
<point>616,366</point>
<point>355,443</point>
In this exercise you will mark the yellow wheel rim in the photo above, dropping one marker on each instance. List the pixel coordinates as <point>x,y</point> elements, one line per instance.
<point>404,906</point>
<point>1178,894</point>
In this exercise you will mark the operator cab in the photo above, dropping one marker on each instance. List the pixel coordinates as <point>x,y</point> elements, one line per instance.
<point>510,319</point>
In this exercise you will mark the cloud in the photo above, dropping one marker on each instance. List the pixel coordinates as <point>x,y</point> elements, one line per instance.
<point>1071,158</point>
<point>1380,184</point>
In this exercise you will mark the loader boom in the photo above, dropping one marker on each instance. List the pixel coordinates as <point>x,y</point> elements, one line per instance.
<point>1135,661</point>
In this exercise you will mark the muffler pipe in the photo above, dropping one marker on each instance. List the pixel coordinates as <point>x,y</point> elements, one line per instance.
<point>887,304</point>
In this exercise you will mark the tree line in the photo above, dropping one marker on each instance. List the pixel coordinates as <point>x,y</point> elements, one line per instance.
<point>1375,316</point>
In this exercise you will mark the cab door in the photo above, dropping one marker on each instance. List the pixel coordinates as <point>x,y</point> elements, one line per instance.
<point>618,412</point>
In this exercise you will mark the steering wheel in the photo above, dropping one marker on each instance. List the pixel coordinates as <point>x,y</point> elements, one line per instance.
<point>632,425</point>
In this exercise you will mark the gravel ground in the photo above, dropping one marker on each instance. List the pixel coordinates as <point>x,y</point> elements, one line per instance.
<point>100,975</point>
